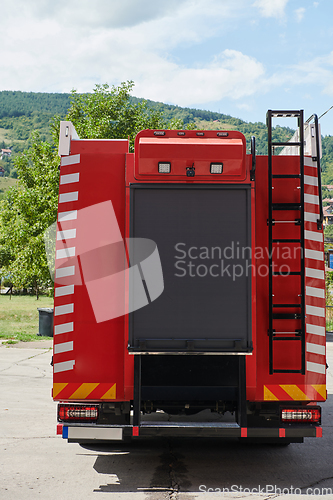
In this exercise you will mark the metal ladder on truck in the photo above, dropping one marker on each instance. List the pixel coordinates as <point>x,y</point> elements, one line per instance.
<point>296,316</point>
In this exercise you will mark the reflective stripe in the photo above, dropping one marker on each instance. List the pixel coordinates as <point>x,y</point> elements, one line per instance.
<point>62,272</point>
<point>64,328</point>
<point>70,160</point>
<point>316,330</point>
<point>316,311</point>
<point>315,367</point>
<point>67,234</point>
<point>65,253</point>
<point>315,348</point>
<point>310,217</point>
<point>70,178</point>
<point>309,162</point>
<point>64,290</point>
<point>311,198</point>
<point>315,292</point>
<point>313,236</point>
<point>312,181</point>
<point>66,309</point>
<point>314,273</point>
<point>63,347</point>
<point>63,367</point>
<point>64,197</point>
<point>314,254</point>
<point>71,215</point>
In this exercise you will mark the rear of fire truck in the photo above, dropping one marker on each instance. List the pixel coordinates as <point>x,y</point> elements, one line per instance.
<point>189,287</point>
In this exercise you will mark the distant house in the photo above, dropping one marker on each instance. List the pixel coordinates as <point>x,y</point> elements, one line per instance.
<point>5,152</point>
<point>328,216</point>
<point>2,171</point>
<point>329,187</point>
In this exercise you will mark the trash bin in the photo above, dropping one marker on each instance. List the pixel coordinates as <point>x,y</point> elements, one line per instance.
<point>45,321</point>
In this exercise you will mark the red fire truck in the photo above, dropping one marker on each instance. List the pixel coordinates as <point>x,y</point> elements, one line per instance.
<point>189,286</point>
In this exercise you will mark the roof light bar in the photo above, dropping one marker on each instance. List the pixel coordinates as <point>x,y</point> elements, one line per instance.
<point>301,415</point>
<point>164,167</point>
<point>216,168</point>
<point>77,413</point>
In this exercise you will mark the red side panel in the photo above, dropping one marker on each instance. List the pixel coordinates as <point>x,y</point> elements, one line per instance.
<point>89,344</point>
<point>287,354</point>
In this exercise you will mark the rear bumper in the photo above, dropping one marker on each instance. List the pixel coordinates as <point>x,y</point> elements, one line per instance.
<point>79,433</point>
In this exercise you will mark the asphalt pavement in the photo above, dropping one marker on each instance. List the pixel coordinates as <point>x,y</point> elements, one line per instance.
<point>35,463</point>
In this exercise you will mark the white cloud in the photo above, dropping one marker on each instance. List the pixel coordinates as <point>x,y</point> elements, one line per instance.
<point>271,8</point>
<point>300,14</point>
<point>230,75</point>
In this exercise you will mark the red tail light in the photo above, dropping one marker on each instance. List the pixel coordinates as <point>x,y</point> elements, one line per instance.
<point>77,413</point>
<point>301,415</point>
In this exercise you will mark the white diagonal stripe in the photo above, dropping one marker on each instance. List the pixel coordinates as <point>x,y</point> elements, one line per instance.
<point>309,162</point>
<point>67,234</point>
<point>62,272</point>
<point>310,217</point>
<point>314,273</point>
<point>63,347</point>
<point>312,181</point>
<point>315,292</point>
<point>64,197</point>
<point>63,367</point>
<point>64,253</point>
<point>316,311</point>
<point>313,236</point>
<point>64,328</point>
<point>311,198</point>
<point>315,348</point>
<point>64,290</point>
<point>314,254</point>
<point>70,178</point>
<point>315,367</point>
<point>65,309</point>
<point>70,160</point>
<point>71,215</point>
<point>316,330</point>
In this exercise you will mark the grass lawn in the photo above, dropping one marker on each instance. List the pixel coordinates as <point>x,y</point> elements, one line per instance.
<point>19,317</point>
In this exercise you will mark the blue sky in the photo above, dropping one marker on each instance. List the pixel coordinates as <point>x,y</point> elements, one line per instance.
<point>237,57</point>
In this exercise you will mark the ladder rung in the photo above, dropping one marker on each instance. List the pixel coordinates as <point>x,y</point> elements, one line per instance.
<point>286,206</point>
<point>296,332</point>
<point>286,338</point>
<point>275,144</point>
<point>286,176</point>
<point>286,316</point>
<point>285,114</point>
<point>287,305</point>
<point>292,273</point>
<point>286,371</point>
<point>297,222</point>
<point>286,241</point>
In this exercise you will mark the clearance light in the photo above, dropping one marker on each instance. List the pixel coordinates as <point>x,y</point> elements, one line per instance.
<point>164,167</point>
<point>216,168</point>
<point>222,134</point>
<point>159,132</point>
<point>77,413</point>
<point>304,415</point>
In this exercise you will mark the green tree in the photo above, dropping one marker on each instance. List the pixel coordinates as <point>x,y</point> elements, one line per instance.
<point>27,210</point>
<point>107,113</point>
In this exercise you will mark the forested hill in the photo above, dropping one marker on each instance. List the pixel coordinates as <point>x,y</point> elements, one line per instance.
<point>23,112</point>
